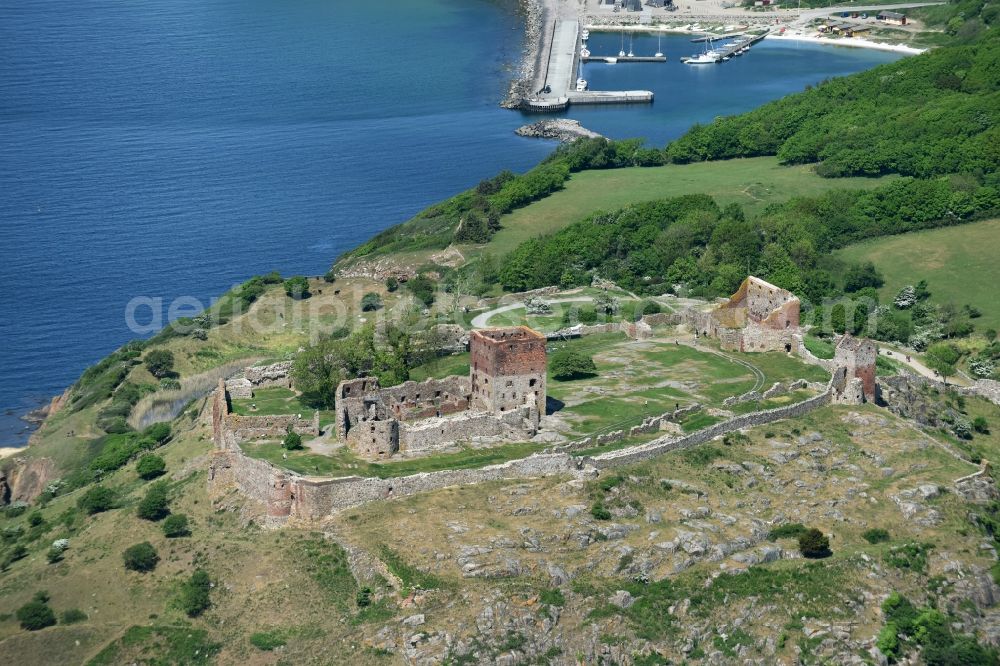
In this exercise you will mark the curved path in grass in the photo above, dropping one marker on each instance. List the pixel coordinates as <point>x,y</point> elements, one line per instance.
<point>482,320</point>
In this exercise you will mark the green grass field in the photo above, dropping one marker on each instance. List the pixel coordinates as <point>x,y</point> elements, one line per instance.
<point>752,183</point>
<point>959,263</point>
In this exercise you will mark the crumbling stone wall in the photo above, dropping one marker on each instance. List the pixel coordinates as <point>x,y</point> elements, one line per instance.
<point>374,439</point>
<point>662,445</point>
<point>229,429</point>
<point>431,434</point>
<point>275,374</point>
<point>859,356</point>
<point>239,388</point>
<point>758,317</point>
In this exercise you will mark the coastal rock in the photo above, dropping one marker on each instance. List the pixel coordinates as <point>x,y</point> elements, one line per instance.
<point>562,129</point>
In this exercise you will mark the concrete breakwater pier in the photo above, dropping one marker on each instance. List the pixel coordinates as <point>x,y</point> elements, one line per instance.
<point>558,89</point>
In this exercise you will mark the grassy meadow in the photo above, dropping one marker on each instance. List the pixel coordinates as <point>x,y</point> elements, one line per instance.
<point>959,263</point>
<point>753,183</point>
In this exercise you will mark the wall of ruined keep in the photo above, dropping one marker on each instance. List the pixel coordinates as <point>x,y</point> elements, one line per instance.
<point>374,439</point>
<point>276,426</point>
<point>508,369</point>
<point>859,356</point>
<point>434,397</point>
<point>757,338</point>
<point>433,434</point>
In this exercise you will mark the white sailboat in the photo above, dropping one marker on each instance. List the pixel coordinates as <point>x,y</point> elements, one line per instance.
<point>621,54</point>
<point>630,52</point>
<point>581,83</point>
<point>659,53</point>
<point>585,35</point>
<point>709,57</point>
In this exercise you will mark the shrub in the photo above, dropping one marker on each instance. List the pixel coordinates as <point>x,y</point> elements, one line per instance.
<point>194,598</point>
<point>330,277</point>
<point>787,531</point>
<point>158,432</point>
<point>155,505</point>
<point>267,640</point>
<point>293,441</point>
<point>160,363</point>
<point>141,557</point>
<point>150,466</point>
<point>651,307</point>
<point>371,302</point>
<point>72,616</point>
<point>297,287</point>
<point>391,283</point>
<point>876,535</point>
<point>980,425</point>
<point>176,526</point>
<point>814,544</point>
<point>96,500</point>
<point>54,555</point>
<point>600,512</point>
<point>422,287</point>
<point>570,364</point>
<point>35,615</point>
<point>962,428</point>
<point>364,597</point>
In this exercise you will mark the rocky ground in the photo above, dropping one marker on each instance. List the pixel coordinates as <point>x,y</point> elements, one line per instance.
<point>562,129</point>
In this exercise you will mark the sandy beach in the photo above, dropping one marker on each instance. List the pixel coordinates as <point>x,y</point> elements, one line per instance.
<point>7,451</point>
<point>853,42</point>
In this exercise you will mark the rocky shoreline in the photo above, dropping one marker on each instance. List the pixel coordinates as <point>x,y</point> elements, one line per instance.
<point>521,85</point>
<point>561,129</point>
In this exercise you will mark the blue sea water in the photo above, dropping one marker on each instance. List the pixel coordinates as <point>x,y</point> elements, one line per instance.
<point>171,148</point>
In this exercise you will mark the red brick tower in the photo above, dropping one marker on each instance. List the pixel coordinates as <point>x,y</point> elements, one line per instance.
<point>508,367</point>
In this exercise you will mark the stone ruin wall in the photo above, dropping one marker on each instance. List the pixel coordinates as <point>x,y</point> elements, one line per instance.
<point>509,371</point>
<point>229,429</point>
<point>755,337</point>
<point>434,397</point>
<point>431,434</point>
<point>275,374</point>
<point>374,439</point>
<point>664,444</point>
<point>859,356</point>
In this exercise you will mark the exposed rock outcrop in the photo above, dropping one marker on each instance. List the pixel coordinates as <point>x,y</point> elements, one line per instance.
<point>562,129</point>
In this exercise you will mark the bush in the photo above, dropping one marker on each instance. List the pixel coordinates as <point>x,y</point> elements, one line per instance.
<point>814,544</point>
<point>876,535</point>
<point>293,441</point>
<point>267,640</point>
<point>297,287</point>
<point>599,512</point>
<point>96,500</point>
<point>35,615</point>
<point>160,363</point>
<point>391,283</point>
<point>141,557</point>
<point>371,302</point>
<point>787,531</point>
<point>150,466</point>
<point>422,287</point>
<point>176,526</point>
<point>194,598</point>
<point>364,597</point>
<point>158,432</point>
<point>329,277</point>
<point>155,505</point>
<point>570,364</point>
<point>72,616</point>
<point>980,425</point>
<point>54,555</point>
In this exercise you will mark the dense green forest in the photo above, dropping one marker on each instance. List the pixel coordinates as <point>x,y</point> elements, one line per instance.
<point>932,114</point>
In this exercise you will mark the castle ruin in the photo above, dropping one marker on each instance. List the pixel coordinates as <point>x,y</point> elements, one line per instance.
<point>759,317</point>
<point>503,397</point>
